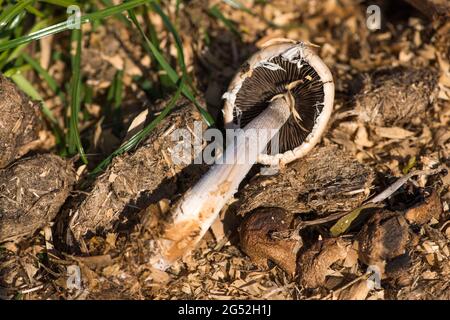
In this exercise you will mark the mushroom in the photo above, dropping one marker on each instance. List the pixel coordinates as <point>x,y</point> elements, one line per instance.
<point>284,88</point>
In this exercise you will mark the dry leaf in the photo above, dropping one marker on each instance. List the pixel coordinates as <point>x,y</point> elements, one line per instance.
<point>393,132</point>
<point>425,211</point>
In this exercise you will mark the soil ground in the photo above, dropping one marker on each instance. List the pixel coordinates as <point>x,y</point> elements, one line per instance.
<point>391,116</point>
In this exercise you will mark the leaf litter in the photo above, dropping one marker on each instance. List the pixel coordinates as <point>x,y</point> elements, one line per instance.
<point>392,105</point>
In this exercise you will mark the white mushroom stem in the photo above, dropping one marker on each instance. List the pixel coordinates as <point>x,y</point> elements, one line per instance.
<point>200,206</point>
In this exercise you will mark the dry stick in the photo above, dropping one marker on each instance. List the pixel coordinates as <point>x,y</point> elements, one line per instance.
<point>401,181</point>
<point>39,287</point>
<point>200,206</point>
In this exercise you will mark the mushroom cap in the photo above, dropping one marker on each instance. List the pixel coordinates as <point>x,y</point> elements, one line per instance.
<point>268,73</point>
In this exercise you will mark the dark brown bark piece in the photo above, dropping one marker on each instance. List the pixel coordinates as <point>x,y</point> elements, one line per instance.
<point>20,122</point>
<point>256,240</point>
<point>395,96</point>
<point>327,180</point>
<point>384,237</point>
<point>137,179</point>
<point>32,191</point>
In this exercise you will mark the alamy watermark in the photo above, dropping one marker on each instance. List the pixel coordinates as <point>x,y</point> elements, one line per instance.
<point>374,279</point>
<point>73,277</point>
<point>373,17</point>
<point>74,19</point>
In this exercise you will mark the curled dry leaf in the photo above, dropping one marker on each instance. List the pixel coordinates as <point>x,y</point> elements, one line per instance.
<point>362,137</point>
<point>257,241</point>
<point>159,276</point>
<point>422,213</point>
<point>393,132</point>
<point>447,232</point>
<point>357,291</point>
<point>32,192</point>
<point>313,264</point>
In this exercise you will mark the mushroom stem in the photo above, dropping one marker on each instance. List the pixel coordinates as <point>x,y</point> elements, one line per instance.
<point>200,205</point>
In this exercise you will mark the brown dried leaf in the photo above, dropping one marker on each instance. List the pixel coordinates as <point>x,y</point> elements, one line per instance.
<point>425,211</point>
<point>393,132</point>
<point>357,291</point>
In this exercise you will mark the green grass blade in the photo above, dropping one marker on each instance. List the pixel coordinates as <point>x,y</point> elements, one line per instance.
<point>3,57</point>
<point>176,36</point>
<point>215,12</point>
<point>411,163</point>
<point>119,16</point>
<point>11,12</point>
<point>17,50</point>
<point>61,3</point>
<point>110,11</point>
<point>52,85</point>
<point>74,140</point>
<point>53,29</point>
<point>30,91</point>
<point>115,95</point>
<point>10,72</point>
<point>342,225</point>
<point>35,12</point>
<point>43,73</point>
<point>151,30</point>
<point>137,138</point>
<point>155,51</point>
<point>171,72</point>
<point>63,26</point>
<point>177,8</point>
<point>118,89</point>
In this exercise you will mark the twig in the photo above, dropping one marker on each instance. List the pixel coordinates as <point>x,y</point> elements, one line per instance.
<point>401,181</point>
<point>32,289</point>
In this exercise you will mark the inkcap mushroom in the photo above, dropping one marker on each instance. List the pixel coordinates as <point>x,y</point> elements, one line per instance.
<point>284,88</point>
